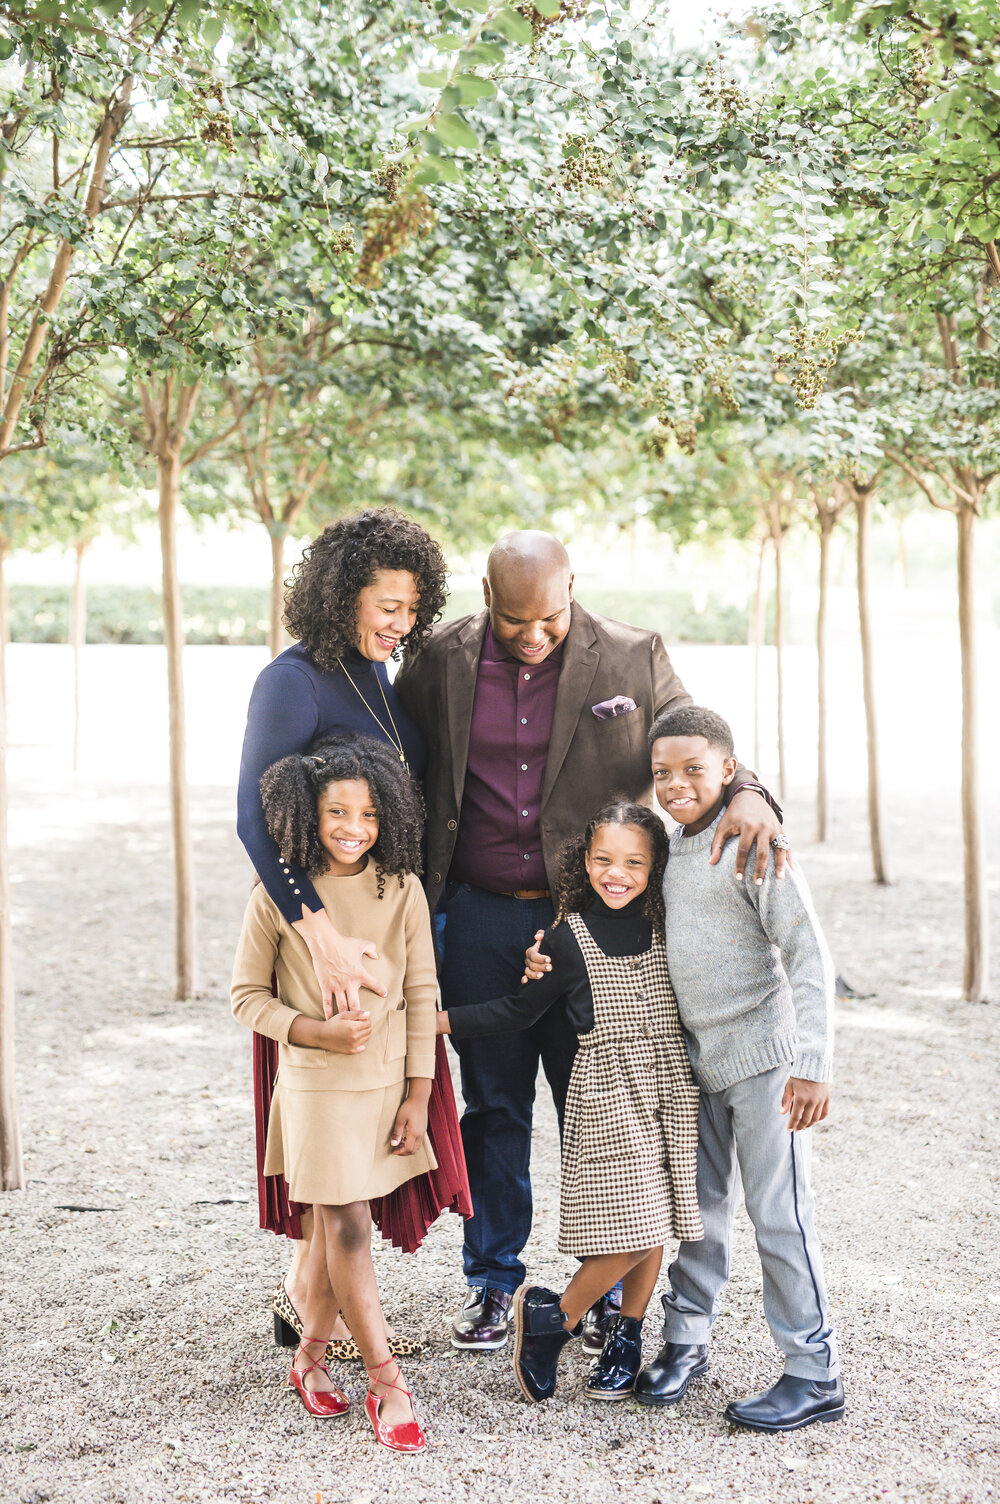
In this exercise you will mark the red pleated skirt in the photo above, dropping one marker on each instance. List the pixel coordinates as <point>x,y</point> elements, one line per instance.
<point>403,1216</point>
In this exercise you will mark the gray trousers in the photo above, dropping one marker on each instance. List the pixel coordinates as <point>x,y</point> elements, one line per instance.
<point>742,1133</point>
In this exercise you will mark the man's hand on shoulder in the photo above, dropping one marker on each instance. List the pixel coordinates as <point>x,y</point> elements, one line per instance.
<point>749,816</point>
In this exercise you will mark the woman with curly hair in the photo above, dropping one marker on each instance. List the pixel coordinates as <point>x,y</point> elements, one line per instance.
<point>630,1132</point>
<point>348,1118</point>
<point>367,589</point>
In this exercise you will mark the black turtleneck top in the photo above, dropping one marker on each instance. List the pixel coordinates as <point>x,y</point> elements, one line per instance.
<point>292,704</point>
<point>617,932</point>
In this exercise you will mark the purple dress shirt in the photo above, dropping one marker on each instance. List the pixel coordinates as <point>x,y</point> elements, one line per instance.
<point>499,843</point>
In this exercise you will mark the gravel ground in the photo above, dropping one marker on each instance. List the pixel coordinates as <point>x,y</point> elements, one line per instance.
<point>138,1364</point>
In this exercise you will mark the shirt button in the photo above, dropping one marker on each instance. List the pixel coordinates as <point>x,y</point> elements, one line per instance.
<point>527,857</point>
<point>524,767</point>
<point>524,720</point>
<point>524,812</point>
<point>296,892</point>
<point>527,676</point>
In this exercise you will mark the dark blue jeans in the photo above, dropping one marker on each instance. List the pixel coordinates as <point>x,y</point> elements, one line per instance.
<point>486,935</point>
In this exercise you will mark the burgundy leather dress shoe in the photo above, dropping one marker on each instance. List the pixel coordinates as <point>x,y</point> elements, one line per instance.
<point>483,1324</point>
<point>598,1322</point>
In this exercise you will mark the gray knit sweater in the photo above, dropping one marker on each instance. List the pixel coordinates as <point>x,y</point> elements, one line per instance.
<point>750,968</point>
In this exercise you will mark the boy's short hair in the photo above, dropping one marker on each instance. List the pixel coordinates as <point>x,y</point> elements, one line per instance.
<point>694,720</point>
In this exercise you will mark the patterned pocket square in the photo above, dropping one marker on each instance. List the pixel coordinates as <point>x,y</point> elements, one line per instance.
<point>620,705</point>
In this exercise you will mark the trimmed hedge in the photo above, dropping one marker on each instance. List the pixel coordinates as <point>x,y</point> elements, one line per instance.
<point>127,613</point>
<point>239,615</point>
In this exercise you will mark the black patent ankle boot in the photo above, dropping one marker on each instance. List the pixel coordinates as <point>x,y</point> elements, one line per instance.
<point>613,1375</point>
<point>540,1337</point>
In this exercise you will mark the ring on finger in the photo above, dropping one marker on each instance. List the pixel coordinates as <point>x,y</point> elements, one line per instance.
<point>781,842</point>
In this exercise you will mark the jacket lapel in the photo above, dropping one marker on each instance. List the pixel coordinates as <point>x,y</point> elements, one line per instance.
<point>579,665</point>
<point>461,670</point>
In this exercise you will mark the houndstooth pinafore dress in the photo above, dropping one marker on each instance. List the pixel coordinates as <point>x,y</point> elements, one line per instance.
<point>630,1135</point>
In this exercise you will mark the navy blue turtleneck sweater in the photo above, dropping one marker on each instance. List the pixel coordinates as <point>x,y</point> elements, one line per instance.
<point>294,702</point>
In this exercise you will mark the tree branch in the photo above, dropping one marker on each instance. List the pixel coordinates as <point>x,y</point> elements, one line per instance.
<point>918,479</point>
<point>115,115</point>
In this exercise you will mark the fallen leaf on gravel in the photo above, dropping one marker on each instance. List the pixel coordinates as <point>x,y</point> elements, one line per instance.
<point>794,1462</point>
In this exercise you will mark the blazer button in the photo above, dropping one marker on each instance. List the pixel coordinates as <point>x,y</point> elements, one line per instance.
<point>437,877</point>
<point>452,824</point>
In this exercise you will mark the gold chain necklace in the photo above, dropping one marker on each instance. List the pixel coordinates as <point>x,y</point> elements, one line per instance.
<point>394,737</point>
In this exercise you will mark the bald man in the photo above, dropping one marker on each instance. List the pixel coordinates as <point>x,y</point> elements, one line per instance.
<point>536,712</point>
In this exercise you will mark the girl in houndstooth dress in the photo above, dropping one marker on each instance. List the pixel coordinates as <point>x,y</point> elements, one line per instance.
<point>630,1132</point>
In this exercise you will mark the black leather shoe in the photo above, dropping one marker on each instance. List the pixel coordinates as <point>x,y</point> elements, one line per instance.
<point>665,1380</point>
<point>791,1404</point>
<point>598,1322</point>
<point>482,1326</point>
<point>613,1375</point>
<point>540,1337</point>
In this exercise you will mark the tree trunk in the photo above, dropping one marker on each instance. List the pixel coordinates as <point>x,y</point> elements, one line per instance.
<point>169,475</point>
<point>11,1161</point>
<point>822,786</point>
<point>976,971</point>
<point>876,813</point>
<point>757,641</point>
<point>902,557</point>
<point>77,638</point>
<point>276,631</point>
<point>779,643</point>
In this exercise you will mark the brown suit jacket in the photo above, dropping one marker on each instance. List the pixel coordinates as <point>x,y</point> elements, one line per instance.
<point>589,760</point>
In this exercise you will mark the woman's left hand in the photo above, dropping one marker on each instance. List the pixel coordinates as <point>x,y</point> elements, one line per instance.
<point>749,816</point>
<point>411,1122</point>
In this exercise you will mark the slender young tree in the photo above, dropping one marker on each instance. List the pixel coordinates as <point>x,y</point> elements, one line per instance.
<point>828,507</point>
<point>758,625</point>
<point>861,493</point>
<point>955,463</point>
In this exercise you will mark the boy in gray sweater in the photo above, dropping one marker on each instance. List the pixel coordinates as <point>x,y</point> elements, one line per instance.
<point>754,985</point>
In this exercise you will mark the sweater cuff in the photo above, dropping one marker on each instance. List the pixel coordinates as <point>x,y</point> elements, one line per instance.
<point>420,1065</point>
<point>813,1068</point>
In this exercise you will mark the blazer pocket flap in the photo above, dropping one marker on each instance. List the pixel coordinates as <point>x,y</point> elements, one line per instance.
<point>395,1034</point>
<point>305,1055</point>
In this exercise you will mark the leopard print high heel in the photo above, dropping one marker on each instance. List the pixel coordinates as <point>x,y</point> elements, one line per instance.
<point>288,1330</point>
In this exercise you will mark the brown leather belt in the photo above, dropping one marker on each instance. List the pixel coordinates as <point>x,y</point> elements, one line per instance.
<point>529,893</point>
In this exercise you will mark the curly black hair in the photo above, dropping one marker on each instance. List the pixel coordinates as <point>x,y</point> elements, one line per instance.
<point>321,598</point>
<point>573,889</point>
<point>694,720</point>
<point>290,790</point>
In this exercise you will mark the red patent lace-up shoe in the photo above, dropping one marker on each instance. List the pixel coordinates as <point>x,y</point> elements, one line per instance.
<point>323,1403</point>
<point>406,1437</point>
